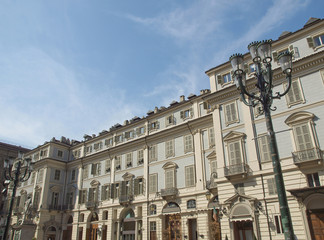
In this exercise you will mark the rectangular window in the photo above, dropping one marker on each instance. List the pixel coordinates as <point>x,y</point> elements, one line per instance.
<point>239,188</point>
<point>43,153</point>
<point>105,192</point>
<point>154,125</point>
<point>108,142</point>
<point>264,148</point>
<point>153,153</point>
<point>33,178</point>
<point>213,166</point>
<point>188,145</point>
<point>190,176</point>
<point>187,113</point>
<point>313,180</point>
<point>85,172</point>
<point>234,153</point>
<point>129,134</point>
<point>82,196</point>
<point>40,176</point>
<point>153,183</point>
<point>230,112</point>
<point>272,188</point>
<point>57,175</point>
<point>129,160</point>
<point>119,138</point>
<point>252,68</point>
<point>295,94</point>
<point>140,131</point>
<point>138,186</point>
<point>77,153</point>
<point>59,153</point>
<point>140,157</point>
<point>73,175</point>
<point>97,146</point>
<point>54,201</point>
<point>96,169</point>
<point>211,137</point>
<point>153,234</point>
<point>303,138</point>
<point>278,223</point>
<point>88,149</point>
<point>108,166</point>
<point>169,148</point>
<point>169,178</point>
<point>169,120</point>
<point>319,40</point>
<point>118,163</point>
<point>69,198</point>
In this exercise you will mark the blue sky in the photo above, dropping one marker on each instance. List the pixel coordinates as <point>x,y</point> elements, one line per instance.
<point>69,68</point>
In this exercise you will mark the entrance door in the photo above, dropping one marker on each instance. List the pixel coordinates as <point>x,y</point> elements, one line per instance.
<point>172,227</point>
<point>93,231</point>
<point>192,229</point>
<point>67,234</point>
<point>243,230</point>
<point>316,224</point>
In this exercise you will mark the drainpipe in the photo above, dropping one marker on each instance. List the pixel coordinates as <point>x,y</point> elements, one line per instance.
<point>260,165</point>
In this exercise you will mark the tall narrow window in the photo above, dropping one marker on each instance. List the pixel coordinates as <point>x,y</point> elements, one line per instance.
<point>313,180</point>
<point>118,163</point>
<point>153,183</point>
<point>211,135</point>
<point>272,188</point>
<point>264,148</point>
<point>295,94</point>
<point>169,148</point>
<point>190,176</point>
<point>169,178</point>
<point>278,223</point>
<point>153,153</point>
<point>57,175</point>
<point>234,153</point>
<point>108,166</point>
<point>129,160</point>
<point>140,157</point>
<point>230,111</point>
<point>188,146</point>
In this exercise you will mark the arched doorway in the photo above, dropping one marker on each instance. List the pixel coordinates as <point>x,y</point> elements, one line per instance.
<point>50,233</point>
<point>92,230</point>
<point>172,222</point>
<point>315,215</point>
<point>128,225</point>
<point>67,234</point>
<point>241,218</point>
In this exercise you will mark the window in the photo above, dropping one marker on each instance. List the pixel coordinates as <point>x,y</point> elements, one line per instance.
<point>239,188</point>
<point>252,68</point>
<point>169,120</point>
<point>105,215</point>
<point>40,176</point>
<point>108,142</point>
<point>138,186</point>
<point>187,113</point>
<point>154,125</point>
<point>77,153</point>
<point>223,79</point>
<point>82,196</point>
<point>303,138</point>
<point>97,146</point>
<point>33,178</point>
<point>129,160</point>
<point>88,149</point>
<point>317,41</point>
<point>73,175</point>
<point>105,192</point>
<point>95,169</point>
<point>234,153</point>
<point>93,194</point>
<point>153,234</point>
<point>278,223</point>
<point>153,153</point>
<point>211,137</point>
<point>81,218</point>
<point>140,157</point>
<point>264,148</point>
<point>191,204</point>
<point>69,198</point>
<point>108,166</point>
<point>272,188</point>
<point>115,190</point>
<point>188,146</point>
<point>169,148</point>
<point>230,112</point>
<point>119,138</point>
<point>213,166</point>
<point>59,153</point>
<point>170,178</point>
<point>118,163</point>
<point>129,134</point>
<point>54,201</point>
<point>190,176</point>
<point>140,131</point>
<point>85,172</point>
<point>153,183</point>
<point>43,153</point>
<point>57,175</point>
<point>152,209</point>
<point>313,180</point>
<point>295,94</point>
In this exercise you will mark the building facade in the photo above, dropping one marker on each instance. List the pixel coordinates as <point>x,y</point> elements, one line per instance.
<point>197,169</point>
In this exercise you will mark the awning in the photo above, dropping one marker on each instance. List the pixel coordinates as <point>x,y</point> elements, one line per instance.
<point>241,218</point>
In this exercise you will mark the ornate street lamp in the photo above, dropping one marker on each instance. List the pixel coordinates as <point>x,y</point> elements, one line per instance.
<point>261,56</point>
<point>16,171</point>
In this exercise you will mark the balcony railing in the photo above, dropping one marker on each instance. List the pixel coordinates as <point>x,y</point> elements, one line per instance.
<point>91,204</point>
<point>54,207</point>
<point>169,192</point>
<point>236,169</point>
<point>307,155</point>
<point>68,207</point>
<point>125,198</point>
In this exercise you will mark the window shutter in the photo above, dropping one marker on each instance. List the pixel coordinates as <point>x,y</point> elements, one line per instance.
<point>228,113</point>
<point>310,42</point>
<point>80,196</point>
<point>213,166</point>
<point>296,89</point>
<point>235,153</point>
<point>182,114</point>
<point>99,168</point>
<point>219,78</point>
<point>169,181</point>
<point>90,195</point>
<point>93,169</point>
<point>157,125</point>
<point>233,112</point>
<point>272,186</point>
<point>112,190</point>
<point>265,148</point>
<point>138,131</point>
<point>136,186</point>
<point>191,112</point>
<point>275,56</point>
<point>246,68</point>
<point>303,137</point>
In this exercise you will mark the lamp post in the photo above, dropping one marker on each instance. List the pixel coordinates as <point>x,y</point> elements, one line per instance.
<point>261,56</point>
<point>16,171</point>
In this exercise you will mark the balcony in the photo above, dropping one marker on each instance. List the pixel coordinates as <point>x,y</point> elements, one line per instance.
<point>312,156</point>
<point>125,199</point>
<point>68,207</point>
<point>54,207</point>
<point>169,192</point>
<point>236,171</point>
<point>91,204</point>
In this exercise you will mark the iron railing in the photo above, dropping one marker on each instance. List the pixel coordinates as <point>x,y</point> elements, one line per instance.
<point>167,192</point>
<point>307,155</point>
<point>236,169</point>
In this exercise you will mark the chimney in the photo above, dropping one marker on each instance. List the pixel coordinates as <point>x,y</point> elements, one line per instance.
<point>182,98</point>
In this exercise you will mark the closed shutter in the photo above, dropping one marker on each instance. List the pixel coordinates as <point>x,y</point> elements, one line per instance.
<point>99,168</point>
<point>153,183</point>
<point>90,196</point>
<point>303,137</point>
<point>123,188</point>
<point>103,193</point>
<point>213,166</point>
<point>85,172</point>
<point>169,179</point>
<point>264,148</point>
<point>136,186</point>
<point>112,190</point>
<point>190,176</point>
<point>235,153</point>
<point>211,137</point>
<point>272,186</point>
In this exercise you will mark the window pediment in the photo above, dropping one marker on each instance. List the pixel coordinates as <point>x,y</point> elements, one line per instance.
<point>128,175</point>
<point>55,188</point>
<point>297,117</point>
<point>94,183</point>
<point>233,135</point>
<point>212,155</point>
<point>170,165</point>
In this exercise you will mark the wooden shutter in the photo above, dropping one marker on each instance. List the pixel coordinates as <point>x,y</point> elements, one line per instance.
<point>264,148</point>
<point>90,195</point>
<point>123,188</point>
<point>219,79</point>
<point>235,153</point>
<point>169,178</point>
<point>103,193</point>
<point>136,186</point>
<point>85,172</point>
<point>272,186</point>
<point>112,190</point>
<point>310,42</point>
<point>303,137</point>
<point>182,114</point>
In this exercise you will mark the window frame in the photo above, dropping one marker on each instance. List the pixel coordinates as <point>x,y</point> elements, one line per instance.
<point>129,160</point>
<point>291,90</point>
<point>188,143</point>
<point>169,148</point>
<point>236,114</point>
<point>153,178</point>
<point>57,175</point>
<point>261,145</point>
<point>153,157</point>
<point>190,182</point>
